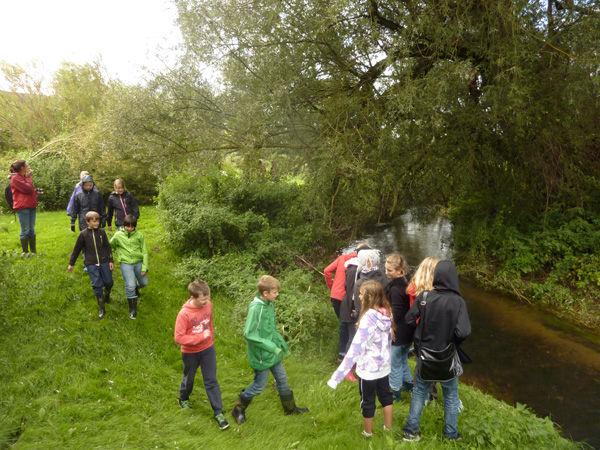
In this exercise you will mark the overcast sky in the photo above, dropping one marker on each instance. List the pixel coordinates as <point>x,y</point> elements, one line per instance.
<point>125,35</point>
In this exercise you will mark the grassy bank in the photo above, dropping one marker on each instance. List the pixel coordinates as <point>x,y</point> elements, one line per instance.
<point>71,381</point>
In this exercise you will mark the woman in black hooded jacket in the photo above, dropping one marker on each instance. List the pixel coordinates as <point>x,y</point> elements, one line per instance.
<point>443,319</point>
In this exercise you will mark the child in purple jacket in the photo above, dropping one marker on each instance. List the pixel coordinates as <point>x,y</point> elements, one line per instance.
<point>371,352</point>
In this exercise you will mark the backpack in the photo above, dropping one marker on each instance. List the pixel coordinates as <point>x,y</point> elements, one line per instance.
<point>8,196</point>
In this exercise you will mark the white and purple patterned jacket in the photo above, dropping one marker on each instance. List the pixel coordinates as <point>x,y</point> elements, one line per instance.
<point>370,349</point>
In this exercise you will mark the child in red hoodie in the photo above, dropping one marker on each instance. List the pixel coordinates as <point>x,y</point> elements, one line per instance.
<point>194,331</point>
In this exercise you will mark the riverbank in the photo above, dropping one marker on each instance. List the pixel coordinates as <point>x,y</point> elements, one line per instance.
<point>72,381</point>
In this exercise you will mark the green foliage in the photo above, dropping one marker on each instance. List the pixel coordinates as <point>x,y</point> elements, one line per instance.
<point>53,174</point>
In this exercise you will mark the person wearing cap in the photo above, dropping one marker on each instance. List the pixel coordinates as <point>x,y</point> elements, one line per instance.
<point>89,199</point>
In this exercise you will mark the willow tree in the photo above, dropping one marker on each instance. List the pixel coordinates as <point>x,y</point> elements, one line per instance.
<point>485,106</point>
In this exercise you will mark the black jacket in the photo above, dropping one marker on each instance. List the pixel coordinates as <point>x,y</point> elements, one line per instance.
<point>443,312</point>
<point>85,242</point>
<point>116,203</point>
<point>396,294</point>
<point>85,202</point>
<point>375,275</point>
<point>347,304</point>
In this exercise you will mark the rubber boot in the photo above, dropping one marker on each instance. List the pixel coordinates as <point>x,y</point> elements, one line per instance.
<point>25,246</point>
<point>132,307</point>
<point>289,405</point>
<point>101,310</point>
<point>106,296</point>
<point>32,246</point>
<point>239,410</point>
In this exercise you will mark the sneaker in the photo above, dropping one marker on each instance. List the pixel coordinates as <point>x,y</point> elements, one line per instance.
<point>366,434</point>
<point>221,421</point>
<point>386,429</point>
<point>184,404</point>
<point>350,377</point>
<point>411,437</point>
<point>458,437</point>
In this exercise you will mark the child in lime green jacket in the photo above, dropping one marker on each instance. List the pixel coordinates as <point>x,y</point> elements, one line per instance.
<point>266,350</point>
<point>130,248</point>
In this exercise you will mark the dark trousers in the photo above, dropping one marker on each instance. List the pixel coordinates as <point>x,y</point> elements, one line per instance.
<point>101,278</point>
<point>336,307</point>
<point>368,389</point>
<point>207,360</point>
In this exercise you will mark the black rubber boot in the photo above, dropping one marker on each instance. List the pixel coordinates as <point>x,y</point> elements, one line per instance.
<point>239,410</point>
<point>106,296</point>
<point>289,405</point>
<point>132,307</point>
<point>101,310</point>
<point>25,246</point>
<point>32,246</point>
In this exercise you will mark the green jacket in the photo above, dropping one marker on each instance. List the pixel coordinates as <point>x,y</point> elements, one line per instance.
<point>130,248</point>
<point>266,347</point>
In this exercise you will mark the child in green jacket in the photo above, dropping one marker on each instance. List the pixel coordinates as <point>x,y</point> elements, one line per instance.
<point>266,350</point>
<point>130,248</point>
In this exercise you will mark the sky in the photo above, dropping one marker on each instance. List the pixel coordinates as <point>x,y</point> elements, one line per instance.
<point>128,37</point>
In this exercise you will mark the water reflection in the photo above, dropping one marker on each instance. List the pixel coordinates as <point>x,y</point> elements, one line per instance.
<point>520,353</point>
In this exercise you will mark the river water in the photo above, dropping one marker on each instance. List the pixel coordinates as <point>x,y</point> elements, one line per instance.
<point>520,354</point>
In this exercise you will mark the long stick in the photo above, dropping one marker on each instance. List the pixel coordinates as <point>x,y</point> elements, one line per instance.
<point>309,264</point>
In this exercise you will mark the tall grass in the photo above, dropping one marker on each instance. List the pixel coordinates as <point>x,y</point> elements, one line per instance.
<point>72,381</point>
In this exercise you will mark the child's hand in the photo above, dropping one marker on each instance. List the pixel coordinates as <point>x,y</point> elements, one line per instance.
<point>111,266</point>
<point>143,274</point>
<point>206,334</point>
<point>69,268</point>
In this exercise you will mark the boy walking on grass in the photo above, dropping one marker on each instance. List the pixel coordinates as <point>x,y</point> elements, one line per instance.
<point>97,257</point>
<point>266,350</point>
<point>194,332</point>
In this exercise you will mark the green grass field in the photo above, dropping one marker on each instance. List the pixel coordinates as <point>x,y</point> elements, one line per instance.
<point>72,381</point>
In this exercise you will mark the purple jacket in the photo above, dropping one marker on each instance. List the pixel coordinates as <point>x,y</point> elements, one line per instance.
<point>370,349</point>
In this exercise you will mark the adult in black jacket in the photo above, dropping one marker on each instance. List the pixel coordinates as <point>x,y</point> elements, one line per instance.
<point>120,203</point>
<point>89,199</point>
<point>443,319</point>
<point>400,376</point>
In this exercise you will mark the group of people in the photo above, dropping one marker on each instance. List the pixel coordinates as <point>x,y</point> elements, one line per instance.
<point>381,313</point>
<point>86,207</point>
<point>381,316</point>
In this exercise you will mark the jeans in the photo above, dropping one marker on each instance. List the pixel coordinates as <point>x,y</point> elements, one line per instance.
<point>336,307</point>
<point>207,361</point>
<point>451,403</point>
<point>400,374</point>
<point>260,382</point>
<point>27,221</point>
<point>132,276</point>
<point>101,277</point>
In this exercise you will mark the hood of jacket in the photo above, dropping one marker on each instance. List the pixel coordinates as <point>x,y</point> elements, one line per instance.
<point>382,321</point>
<point>445,277</point>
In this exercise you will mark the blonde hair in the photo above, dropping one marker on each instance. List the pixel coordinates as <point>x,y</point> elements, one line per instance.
<point>267,283</point>
<point>423,277</point>
<point>91,215</point>
<point>119,181</point>
<point>397,261</point>
<point>373,298</point>
<point>198,288</point>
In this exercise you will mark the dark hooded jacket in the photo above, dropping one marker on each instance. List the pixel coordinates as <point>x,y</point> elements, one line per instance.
<point>120,206</point>
<point>443,312</point>
<point>396,294</point>
<point>347,304</point>
<point>85,202</point>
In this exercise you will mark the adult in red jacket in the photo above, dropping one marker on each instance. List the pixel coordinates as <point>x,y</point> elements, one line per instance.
<point>335,278</point>
<point>24,203</point>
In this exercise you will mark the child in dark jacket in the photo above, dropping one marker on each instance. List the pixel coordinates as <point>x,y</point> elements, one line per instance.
<point>194,332</point>
<point>400,377</point>
<point>89,199</point>
<point>120,203</point>
<point>266,350</point>
<point>97,259</point>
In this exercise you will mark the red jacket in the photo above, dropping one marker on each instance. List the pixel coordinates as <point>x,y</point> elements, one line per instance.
<point>194,329</point>
<point>23,191</point>
<point>337,284</point>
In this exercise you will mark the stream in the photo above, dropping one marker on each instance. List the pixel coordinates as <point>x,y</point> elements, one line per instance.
<point>520,353</point>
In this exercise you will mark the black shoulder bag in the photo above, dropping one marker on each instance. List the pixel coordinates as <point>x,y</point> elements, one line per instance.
<point>437,365</point>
